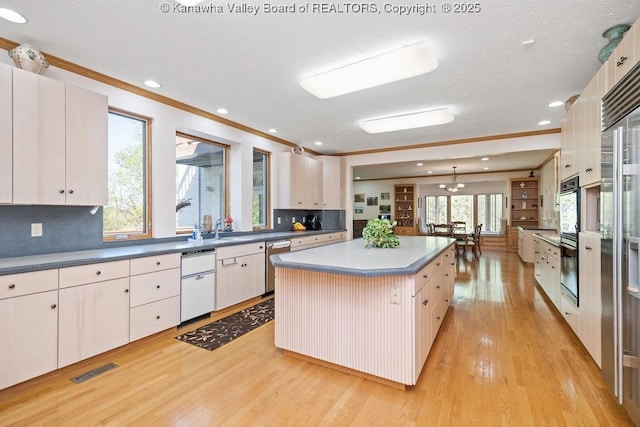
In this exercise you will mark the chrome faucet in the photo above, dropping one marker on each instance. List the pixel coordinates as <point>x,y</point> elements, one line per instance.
<point>217,228</point>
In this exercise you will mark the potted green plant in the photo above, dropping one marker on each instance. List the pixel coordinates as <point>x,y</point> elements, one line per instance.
<point>378,233</point>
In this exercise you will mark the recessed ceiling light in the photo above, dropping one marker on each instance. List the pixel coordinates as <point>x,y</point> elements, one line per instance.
<point>152,83</point>
<point>556,104</point>
<point>408,61</point>
<point>528,43</point>
<point>544,122</point>
<point>429,171</point>
<point>12,16</point>
<point>418,164</point>
<point>408,121</point>
<point>486,168</point>
<point>357,177</point>
<point>222,111</point>
<point>484,159</point>
<point>318,143</point>
<point>272,130</point>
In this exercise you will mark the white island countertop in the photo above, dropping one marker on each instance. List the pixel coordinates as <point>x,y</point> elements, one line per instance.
<point>354,259</point>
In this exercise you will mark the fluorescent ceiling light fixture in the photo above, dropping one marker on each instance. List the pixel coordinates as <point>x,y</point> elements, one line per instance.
<point>272,130</point>
<point>408,121</point>
<point>12,16</point>
<point>484,159</point>
<point>152,83</point>
<point>544,122</point>
<point>399,64</point>
<point>556,104</point>
<point>318,143</point>
<point>222,111</point>
<point>189,2</point>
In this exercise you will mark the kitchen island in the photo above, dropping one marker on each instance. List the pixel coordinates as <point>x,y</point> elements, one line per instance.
<point>373,312</point>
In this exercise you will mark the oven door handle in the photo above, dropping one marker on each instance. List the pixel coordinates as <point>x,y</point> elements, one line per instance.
<point>633,285</point>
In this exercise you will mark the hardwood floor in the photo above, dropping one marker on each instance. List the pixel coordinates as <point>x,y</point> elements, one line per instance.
<point>503,357</point>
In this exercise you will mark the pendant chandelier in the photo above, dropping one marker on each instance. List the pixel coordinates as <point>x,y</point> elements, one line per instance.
<point>455,186</point>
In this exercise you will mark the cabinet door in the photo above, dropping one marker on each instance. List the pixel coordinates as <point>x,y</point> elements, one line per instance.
<point>313,177</point>
<point>624,57</point>
<point>6,135</point>
<point>253,280</point>
<point>421,310</point>
<point>38,139</point>
<point>590,300</point>
<point>332,183</point>
<point>94,318</point>
<point>228,289</point>
<point>591,153</point>
<point>86,147</point>
<point>567,152</point>
<point>28,337</point>
<point>299,192</point>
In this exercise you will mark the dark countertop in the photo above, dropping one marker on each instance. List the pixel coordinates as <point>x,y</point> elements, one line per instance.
<point>25,264</point>
<point>352,258</point>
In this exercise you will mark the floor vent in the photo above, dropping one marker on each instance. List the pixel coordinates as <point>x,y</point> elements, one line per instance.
<point>93,373</point>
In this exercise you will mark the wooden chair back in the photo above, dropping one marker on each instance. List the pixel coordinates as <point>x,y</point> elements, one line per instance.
<point>442,229</point>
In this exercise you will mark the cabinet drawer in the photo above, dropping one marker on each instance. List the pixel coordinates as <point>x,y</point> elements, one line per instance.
<point>83,274</point>
<point>154,263</point>
<point>422,278</point>
<point>436,318</point>
<point>570,313</point>
<point>146,288</point>
<point>448,257</point>
<point>14,285</point>
<point>303,241</point>
<point>335,237</point>
<point>155,317</point>
<point>240,250</point>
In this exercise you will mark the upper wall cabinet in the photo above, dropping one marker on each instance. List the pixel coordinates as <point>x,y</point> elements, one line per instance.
<point>6,136</point>
<point>59,142</point>
<point>332,183</point>
<point>625,56</point>
<point>590,154</point>
<point>299,182</point>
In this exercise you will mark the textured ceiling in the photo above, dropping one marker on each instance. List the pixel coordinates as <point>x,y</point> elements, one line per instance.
<point>252,64</point>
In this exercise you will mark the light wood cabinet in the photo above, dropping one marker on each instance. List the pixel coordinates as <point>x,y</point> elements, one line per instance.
<point>525,205</point>
<point>547,269</point>
<point>590,299</point>
<point>405,209</point>
<point>571,314</point>
<point>38,139</point>
<point>154,294</point>
<point>591,152</point>
<point>240,274</point>
<point>59,142</point>
<point>526,243</point>
<point>568,151</point>
<point>299,182</point>
<point>307,242</point>
<point>28,326</point>
<point>94,318</point>
<point>332,183</point>
<point>6,135</point>
<point>625,55</point>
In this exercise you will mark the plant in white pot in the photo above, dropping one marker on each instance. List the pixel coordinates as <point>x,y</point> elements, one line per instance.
<point>378,233</point>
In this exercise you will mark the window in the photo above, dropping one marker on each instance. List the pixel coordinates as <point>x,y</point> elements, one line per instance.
<point>462,210</point>
<point>436,209</point>
<point>129,206</point>
<point>490,212</point>
<point>200,182</point>
<point>260,189</point>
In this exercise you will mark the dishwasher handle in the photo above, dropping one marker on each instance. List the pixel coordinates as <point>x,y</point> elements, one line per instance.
<point>279,244</point>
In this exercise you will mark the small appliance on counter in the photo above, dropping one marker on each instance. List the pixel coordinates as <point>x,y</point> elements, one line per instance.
<point>312,222</point>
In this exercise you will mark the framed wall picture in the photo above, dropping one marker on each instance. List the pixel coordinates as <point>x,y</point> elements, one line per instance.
<point>385,209</point>
<point>359,209</point>
<point>358,198</point>
<point>385,196</point>
<point>372,201</point>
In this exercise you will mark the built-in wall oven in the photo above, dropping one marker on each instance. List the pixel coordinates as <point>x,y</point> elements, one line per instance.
<point>569,203</point>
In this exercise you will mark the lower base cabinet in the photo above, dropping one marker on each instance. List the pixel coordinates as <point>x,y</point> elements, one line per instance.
<point>240,274</point>
<point>28,336</point>
<point>154,317</point>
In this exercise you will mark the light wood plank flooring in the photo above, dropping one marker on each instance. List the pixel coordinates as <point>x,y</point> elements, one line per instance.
<point>503,358</point>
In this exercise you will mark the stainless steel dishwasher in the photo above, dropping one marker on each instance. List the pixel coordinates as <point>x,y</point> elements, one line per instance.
<point>197,284</point>
<point>275,247</point>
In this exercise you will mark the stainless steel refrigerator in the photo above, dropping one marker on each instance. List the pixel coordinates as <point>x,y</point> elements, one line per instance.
<point>620,229</point>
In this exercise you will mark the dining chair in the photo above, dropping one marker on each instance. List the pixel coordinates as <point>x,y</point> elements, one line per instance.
<point>459,226</point>
<point>474,242</point>
<point>442,230</point>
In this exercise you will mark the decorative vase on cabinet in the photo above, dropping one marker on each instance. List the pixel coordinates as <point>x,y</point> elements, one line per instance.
<point>614,34</point>
<point>28,58</point>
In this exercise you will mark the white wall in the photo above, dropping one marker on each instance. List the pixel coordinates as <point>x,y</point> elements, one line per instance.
<point>166,121</point>
<point>372,189</point>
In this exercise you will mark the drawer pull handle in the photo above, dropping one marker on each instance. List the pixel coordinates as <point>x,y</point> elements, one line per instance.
<point>588,170</point>
<point>453,263</point>
<point>158,263</point>
<point>438,286</point>
<point>98,272</point>
<point>157,286</point>
<point>126,291</point>
<point>567,313</point>
<point>425,302</point>
<point>70,191</point>
<point>438,317</point>
<point>588,248</point>
<point>621,61</point>
<point>446,274</point>
<point>199,277</point>
<point>12,286</point>
<point>61,191</point>
<point>53,306</point>
<point>426,276</point>
<point>157,317</point>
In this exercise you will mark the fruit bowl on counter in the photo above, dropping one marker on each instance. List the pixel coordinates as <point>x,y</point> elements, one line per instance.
<point>297,226</point>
